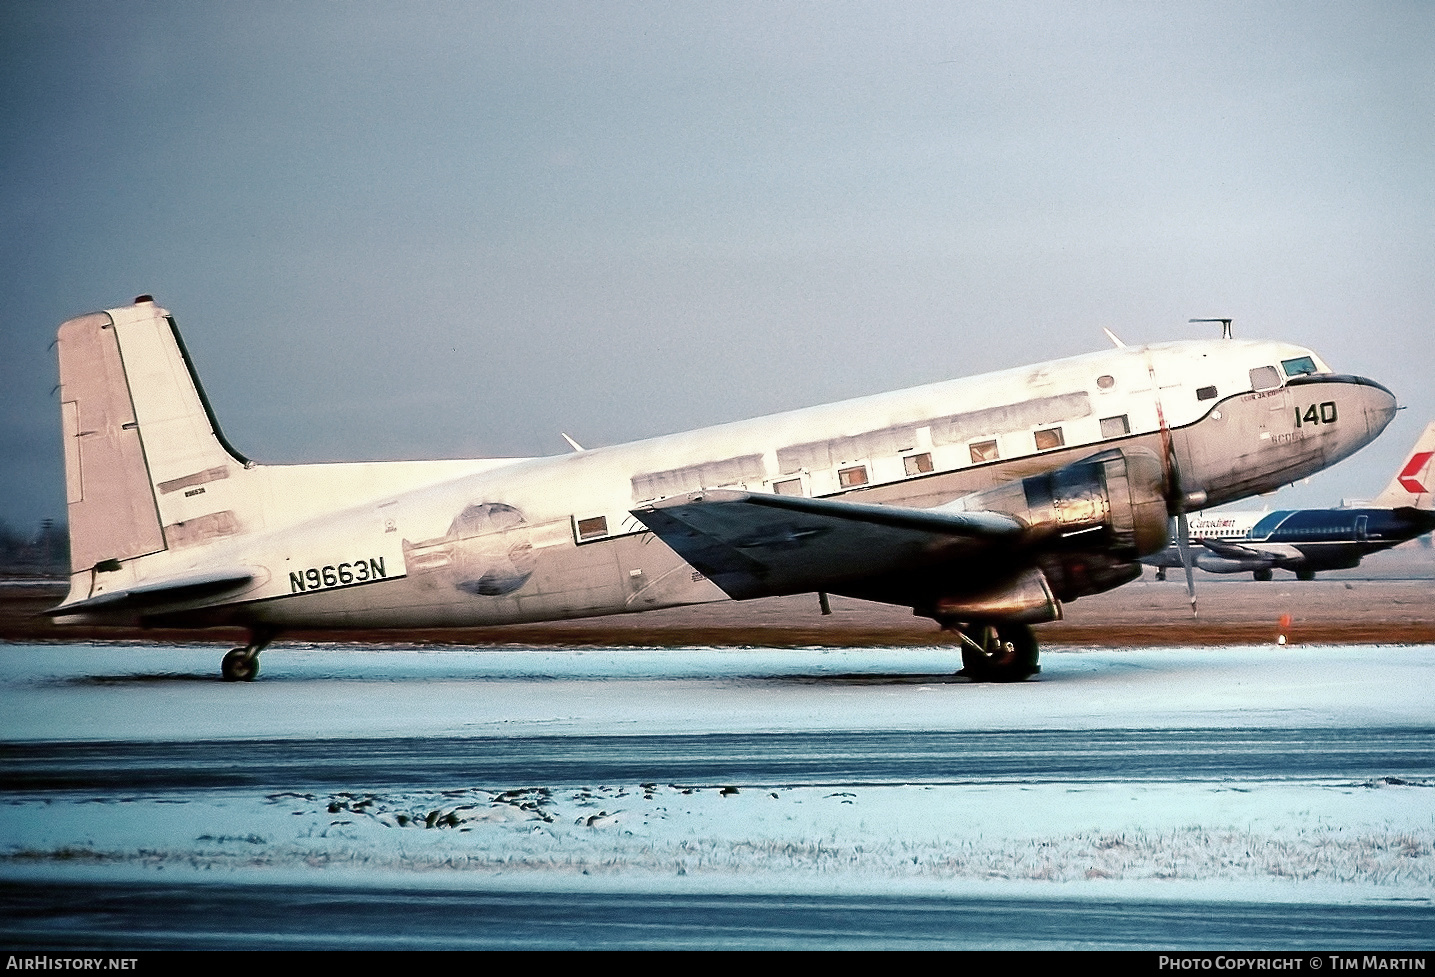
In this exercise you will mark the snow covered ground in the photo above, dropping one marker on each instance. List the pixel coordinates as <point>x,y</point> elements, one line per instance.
<point>1277,838</point>
<point>116,692</point>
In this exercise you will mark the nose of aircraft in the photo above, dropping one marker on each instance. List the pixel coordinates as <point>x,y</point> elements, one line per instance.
<point>1358,399</point>
<point>1378,404</point>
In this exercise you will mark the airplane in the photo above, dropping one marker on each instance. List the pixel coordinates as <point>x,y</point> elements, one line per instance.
<point>982,503</point>
<point>1308,540</point>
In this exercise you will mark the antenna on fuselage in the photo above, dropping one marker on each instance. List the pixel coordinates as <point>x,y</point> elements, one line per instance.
<point>1225,326</point>
<point>1115,341</point>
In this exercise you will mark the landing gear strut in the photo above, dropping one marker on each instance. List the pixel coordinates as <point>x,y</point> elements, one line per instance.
<point>997,651</point>
<point>242,664</point>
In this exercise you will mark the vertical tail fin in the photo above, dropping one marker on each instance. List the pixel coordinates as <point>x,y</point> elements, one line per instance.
<point>1414,483</point>
<point>146,469</point>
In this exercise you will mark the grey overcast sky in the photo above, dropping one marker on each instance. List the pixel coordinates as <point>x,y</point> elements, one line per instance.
<point>400,230</point>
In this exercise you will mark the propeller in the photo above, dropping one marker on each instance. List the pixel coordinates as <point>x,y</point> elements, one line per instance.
<point>1183,544</point>
<point>1176,497</point>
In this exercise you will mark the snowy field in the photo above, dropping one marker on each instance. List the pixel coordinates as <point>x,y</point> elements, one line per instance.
<point>120,691</point>
<point>1276,837</point>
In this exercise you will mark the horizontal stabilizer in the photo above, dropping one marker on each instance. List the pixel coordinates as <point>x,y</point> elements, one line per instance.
<point>758,545</point>
<point>164,593</point>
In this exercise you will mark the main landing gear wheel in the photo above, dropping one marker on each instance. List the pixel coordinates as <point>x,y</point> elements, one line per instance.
<point>1000,652</point>
<point>1261,575</point>
<point>242,664</point>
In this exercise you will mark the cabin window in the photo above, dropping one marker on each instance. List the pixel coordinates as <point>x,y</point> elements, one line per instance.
<point>1115,427</point>
<point>1205,393</point>
<point>852,477</point>
<point>1265,378</point>
<point>1049,438</point>
<point>918,464</point>
<point>1106,381</point>
<point>592,527</point>
<point>984,451</point>
<point>1298,367</point>
<point>790,486</point>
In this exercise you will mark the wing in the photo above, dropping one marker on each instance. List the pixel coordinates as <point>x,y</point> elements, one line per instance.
<point>1235,551</point>
<point>758,545</point>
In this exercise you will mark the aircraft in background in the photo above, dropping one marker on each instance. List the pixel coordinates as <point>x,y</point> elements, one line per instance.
<point>983,503</point>
<point>1308,540</point>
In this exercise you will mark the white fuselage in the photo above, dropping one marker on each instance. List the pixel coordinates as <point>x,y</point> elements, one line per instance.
<point>169,524</point>
<point>499,541</point>
<point>1230,526</point>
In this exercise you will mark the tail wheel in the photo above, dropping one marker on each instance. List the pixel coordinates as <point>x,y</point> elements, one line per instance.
<point>998,652</point>
<point>240,665</point>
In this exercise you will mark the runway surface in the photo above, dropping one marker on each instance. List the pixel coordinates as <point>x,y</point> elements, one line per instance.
<point>785,759</point>
<point>361,797</point>
<point>210,916</point>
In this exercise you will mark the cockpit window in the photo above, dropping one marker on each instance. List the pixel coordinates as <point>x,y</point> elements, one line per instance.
<point>1298,367</point>
<point>1265,378</point>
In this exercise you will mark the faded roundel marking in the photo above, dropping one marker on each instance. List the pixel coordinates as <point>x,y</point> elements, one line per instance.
<point>487,552</point>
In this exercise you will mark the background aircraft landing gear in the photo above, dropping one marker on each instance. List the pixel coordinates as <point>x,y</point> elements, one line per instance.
<point>1305,574</point>
<point>242,664</point>
<point>1262,575</point>
<point>997,651</point>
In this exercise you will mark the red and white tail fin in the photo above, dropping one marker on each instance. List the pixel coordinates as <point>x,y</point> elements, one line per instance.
<point>1414,483</point>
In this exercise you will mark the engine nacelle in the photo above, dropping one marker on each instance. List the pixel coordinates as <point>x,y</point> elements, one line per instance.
<point>1111,503</point>
<point>1087,525</point>
<point>1026,599</point>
